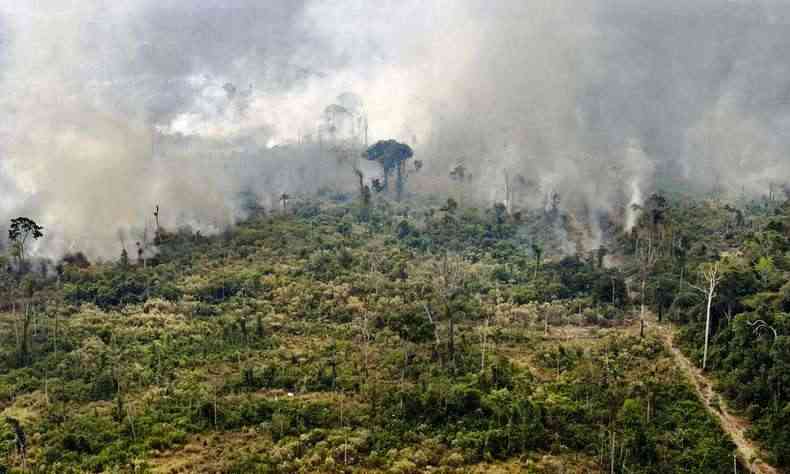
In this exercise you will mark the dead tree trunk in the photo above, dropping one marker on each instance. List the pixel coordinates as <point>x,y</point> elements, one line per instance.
<point>711,276</point>
<point>648,256</point>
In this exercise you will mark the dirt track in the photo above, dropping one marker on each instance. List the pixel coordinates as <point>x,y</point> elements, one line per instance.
<point>733,425</point>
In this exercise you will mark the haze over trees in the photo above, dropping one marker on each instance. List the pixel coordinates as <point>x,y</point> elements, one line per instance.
<point>394,237</point>
<point>474,330</point>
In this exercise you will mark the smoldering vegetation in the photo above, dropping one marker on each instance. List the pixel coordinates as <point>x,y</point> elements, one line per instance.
<point>110,110</point>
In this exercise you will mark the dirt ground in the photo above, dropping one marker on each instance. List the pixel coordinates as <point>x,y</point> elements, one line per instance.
<point>733,425</point>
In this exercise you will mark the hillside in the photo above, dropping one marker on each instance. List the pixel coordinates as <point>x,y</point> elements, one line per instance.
<point>326,340</point>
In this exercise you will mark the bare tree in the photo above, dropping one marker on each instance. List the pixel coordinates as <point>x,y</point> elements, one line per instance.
<point>761,326</point>
<point>366,331</point>
<point>143,246</point>
<point>24,343</point>
<point>460,175</point>
<point>647,255</point>
<point>508,193</point>
<point>450,276</point>
<point>367,336</point>
<point>438,341</point>
<point>156,219</point>
<point>364,194</point>
<point>484,343</point>
<point>711,276</point>
<point>484,329</point>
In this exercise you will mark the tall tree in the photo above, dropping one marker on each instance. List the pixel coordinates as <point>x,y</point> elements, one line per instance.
<point>537,249</point>
<point>21,231</point>
<point>647,255</point>
<point>392,156</point>
<point>365,196</point>
<point>451,275</point>
<point>711,277</point>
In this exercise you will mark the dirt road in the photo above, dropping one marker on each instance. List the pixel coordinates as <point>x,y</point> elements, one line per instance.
<point>733,425</point>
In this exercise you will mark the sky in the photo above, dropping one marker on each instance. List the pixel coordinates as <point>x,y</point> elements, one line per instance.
<point>108,108</point>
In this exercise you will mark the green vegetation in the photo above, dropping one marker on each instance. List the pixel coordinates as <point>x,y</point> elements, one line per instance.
<point>400,337</point>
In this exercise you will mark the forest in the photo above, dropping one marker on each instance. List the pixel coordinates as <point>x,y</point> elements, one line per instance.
<point>413,236</point>
<point>361,333</point>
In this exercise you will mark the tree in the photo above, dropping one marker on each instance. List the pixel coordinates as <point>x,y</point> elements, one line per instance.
<point>365,196</point>
<point>459,174</point>
<point>392,155</point>
<point>21,440</point>
<point>378,186</point>
<point>537,249</point>
<point>22,229</point>
<point>664,289</point>
<point>600,254</point>
<point>450,278</point>
<point>508,193</point>
<point>158,230</point>
<point>766,269</point>
<point>284,197</point>
<point>711,276</point>
<point>27,315</point>
<point>647,255</point>
<point>500,213</point>
<point>143,246</point>
<point>124,260</point>
<point>450,207</point>
<point>552,207</point>
<point>656,208</point>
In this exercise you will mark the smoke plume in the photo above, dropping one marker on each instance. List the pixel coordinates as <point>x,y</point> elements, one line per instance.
<point>111,108</point>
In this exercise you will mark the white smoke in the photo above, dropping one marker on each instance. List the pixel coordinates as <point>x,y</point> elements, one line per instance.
<point>114,107</point>
<point>632,212</point>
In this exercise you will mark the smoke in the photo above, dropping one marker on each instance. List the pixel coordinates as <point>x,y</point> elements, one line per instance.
<point>111,108</point>
<point>631,213</point>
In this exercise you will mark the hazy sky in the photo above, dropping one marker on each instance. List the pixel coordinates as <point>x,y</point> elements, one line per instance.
<point>591,98</point>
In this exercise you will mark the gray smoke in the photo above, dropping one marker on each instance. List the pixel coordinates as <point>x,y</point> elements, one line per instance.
<point>110,108</point>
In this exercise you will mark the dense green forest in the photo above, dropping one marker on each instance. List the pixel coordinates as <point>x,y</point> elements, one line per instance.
<point>345,335</point>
